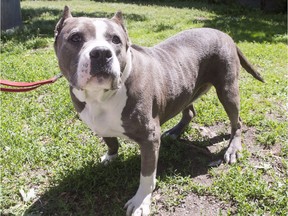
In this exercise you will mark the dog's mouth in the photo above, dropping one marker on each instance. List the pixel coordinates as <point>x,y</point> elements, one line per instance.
<point>101,70</point>
<point>104,81</point>
<point>98,69</point>
<point>103,75</point>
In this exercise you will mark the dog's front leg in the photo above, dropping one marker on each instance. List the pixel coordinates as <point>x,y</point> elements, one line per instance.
<point>112,153</point>
<point>139,205</point>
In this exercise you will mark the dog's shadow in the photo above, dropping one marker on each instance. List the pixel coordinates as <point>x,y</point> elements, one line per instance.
<point>96,189</point>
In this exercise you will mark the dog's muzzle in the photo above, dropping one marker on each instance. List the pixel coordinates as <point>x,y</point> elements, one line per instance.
<point>101,62</point>
<point>101,58</point>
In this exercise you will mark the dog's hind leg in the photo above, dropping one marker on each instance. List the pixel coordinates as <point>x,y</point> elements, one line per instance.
<point>228,94</point>
<point>113,146</point>
<point>187,115</point>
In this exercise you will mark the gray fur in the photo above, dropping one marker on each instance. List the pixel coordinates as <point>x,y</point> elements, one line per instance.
<point>164,80</point>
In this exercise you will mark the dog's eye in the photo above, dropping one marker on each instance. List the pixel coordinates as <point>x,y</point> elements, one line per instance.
<point>116,39</point>
<point>75,38</point>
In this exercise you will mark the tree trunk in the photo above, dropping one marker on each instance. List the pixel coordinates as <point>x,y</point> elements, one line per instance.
<point>10,14</point>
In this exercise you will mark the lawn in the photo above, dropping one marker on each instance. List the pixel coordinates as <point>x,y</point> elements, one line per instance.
<point>46,151</point>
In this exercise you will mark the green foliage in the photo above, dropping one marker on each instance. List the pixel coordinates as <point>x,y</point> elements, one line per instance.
<point>46,147</point>
<point>266,194</point>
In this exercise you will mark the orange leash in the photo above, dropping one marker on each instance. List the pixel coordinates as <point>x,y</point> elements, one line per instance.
<point>26,86</point>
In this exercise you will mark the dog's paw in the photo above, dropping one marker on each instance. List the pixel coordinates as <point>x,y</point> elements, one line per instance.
<point>169,135</point>
<point>139,205</point>
<point>105,159</point>
<point>233,152</point>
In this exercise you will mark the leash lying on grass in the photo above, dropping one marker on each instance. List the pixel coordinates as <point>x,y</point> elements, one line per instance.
<point>26,86</point>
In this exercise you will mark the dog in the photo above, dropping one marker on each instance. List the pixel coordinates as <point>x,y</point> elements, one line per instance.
<point>123,90</point>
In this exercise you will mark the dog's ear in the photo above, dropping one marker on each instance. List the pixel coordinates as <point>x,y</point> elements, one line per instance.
<point>66,14</point>
<point>118,18</point>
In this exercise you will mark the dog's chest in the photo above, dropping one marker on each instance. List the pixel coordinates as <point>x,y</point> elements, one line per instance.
<point>103,113</point>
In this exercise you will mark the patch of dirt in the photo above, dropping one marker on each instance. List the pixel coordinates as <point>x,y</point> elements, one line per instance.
<point>217,137</point>
<point>197,205</point>
<point>204,180</point>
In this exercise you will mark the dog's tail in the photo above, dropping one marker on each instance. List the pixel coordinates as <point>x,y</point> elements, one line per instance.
<point>248,67</point>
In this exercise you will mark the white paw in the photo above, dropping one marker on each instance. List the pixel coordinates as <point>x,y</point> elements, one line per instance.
<point>169,135</point>
<point>233,152</point>
<point>105,159</point>
<point>139,205</point>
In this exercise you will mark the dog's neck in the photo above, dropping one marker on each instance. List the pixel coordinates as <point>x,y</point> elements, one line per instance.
<point>128,68</point>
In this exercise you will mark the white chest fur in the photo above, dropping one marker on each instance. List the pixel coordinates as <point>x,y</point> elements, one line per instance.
<point>103,111</point>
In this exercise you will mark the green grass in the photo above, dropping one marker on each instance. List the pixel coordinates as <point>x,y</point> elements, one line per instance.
<point>46,147</point>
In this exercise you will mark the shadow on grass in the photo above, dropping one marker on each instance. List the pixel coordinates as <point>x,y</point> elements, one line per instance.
<point>240,23</point>
<point>95,189</point>
<point>41,22</point>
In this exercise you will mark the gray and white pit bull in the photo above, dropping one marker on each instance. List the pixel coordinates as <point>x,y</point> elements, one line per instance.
<point>124,90</point>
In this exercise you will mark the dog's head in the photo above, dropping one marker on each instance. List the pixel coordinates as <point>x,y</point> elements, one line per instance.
<point>93,53</point>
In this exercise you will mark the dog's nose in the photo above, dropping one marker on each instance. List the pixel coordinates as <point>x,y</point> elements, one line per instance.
<point>101,54</point>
